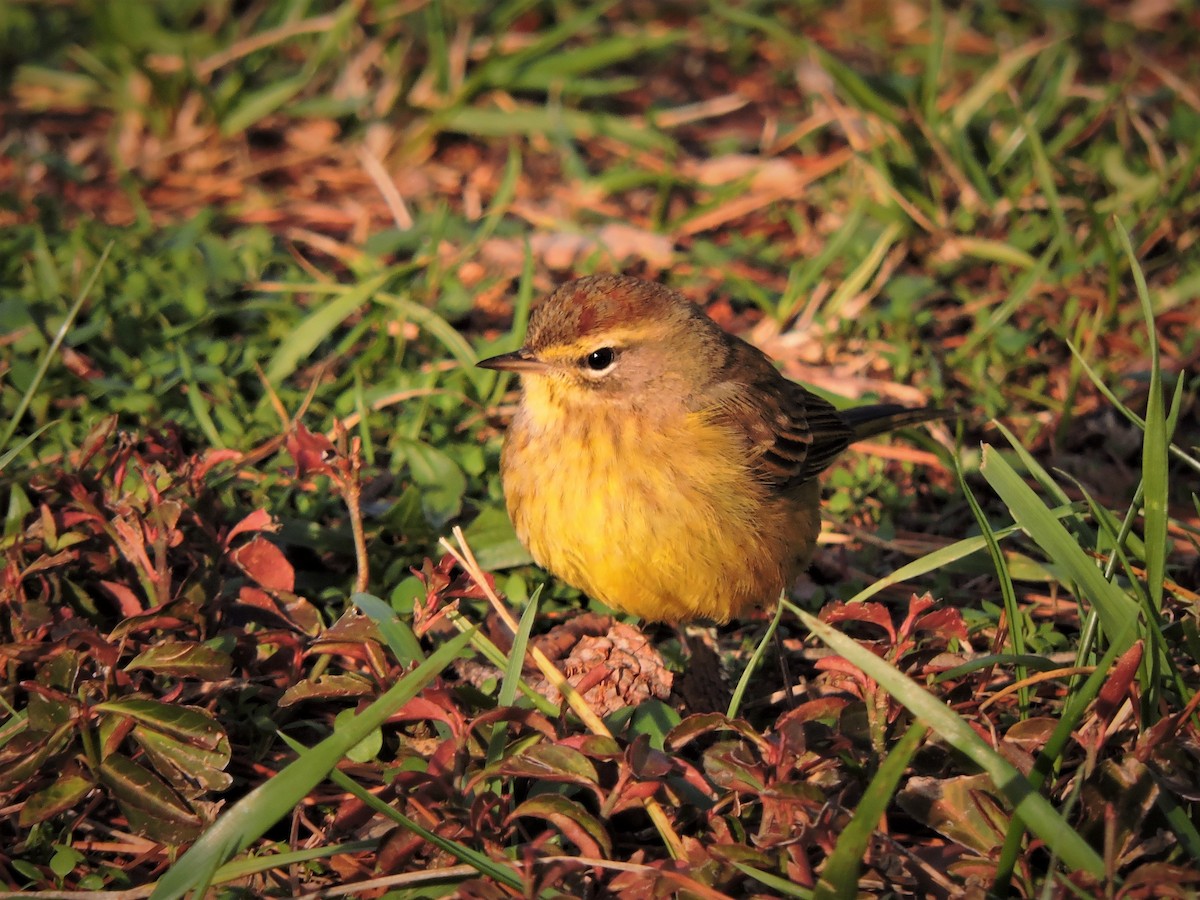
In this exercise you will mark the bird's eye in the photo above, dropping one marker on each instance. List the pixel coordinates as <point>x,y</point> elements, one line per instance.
<point>599,360</point>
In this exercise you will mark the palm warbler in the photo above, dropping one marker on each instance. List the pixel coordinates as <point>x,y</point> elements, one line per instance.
<point>660,464</point>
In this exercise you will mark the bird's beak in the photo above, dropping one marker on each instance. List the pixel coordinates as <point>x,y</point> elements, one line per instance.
<point>520,361</point>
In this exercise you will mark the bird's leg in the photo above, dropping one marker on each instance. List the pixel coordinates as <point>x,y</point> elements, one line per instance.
<point>786,671</point>
<point>702,687</point>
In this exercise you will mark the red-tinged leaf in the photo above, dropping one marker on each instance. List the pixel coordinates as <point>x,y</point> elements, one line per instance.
<point>647,883</point>
<point>193,724</point>
<point>259,599</point>
<point>66,793</point>
<point>95,441</point>
<point>870,613</point>
<point>131,541</point>
<point>1118,685</point>
<point>1031,734</point>
<point>645,761</point>
<point>595,746</point>
<point>153,620</point>
<point>960,808</point>
<point>692,775</point>
<point>266,564</point>
<point>62,671</point>
<point>633,795</point>
<point>731,765</point>
<point>1154,876</point>
<point>705,723</point>
<point>744,854</point>
<point>815,710</point>
<point>353,627</point>
<point>840,664</point>
<point>103,651</point>
<point>42,563</point>
<point>1164,729</point>
<point>112,732</point>
<point>184,660</point>
<point>552,762</point>
<point>943,662</point>
<point>435,705</point>
<point>946,622</point>
<point>534,721</point>
<point>27,753</point>
<point>23,651</point>
<point>310,451</point>
<point>48,709</point>
<point>304,616</point>
<point>574,822</point>
<point>259,520</point>
<point>367,653</point>
<point>163,522</point>
<point>49,529</point>
<point>918,604</point>
<point>73,517</point>
<point>211,459</point>
<point>191,769</point>
<point>152,808</point>
<point>329,687</point>
<point>127,601</point>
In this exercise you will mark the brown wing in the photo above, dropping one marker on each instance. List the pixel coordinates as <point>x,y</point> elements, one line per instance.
<point>793,434</point>
<point>807,434</point>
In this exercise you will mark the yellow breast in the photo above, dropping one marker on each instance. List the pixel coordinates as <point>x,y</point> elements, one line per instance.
<point>667,523</point>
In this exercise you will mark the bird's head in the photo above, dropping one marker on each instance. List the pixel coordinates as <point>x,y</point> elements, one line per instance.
<point>615,340</point>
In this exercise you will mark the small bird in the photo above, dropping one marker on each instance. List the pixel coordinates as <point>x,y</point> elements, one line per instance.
<point>660,464</point>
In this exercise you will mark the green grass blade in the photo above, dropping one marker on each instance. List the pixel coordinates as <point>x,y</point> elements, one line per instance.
<point>435,325</point>
<point>1114,607</point>
<point>856,281</point>
<point>1033,808</point>
<point>1043,478</point>
<point>781,886</point>
<point>480,862</point>
<point>484,646</point>
<point>13,452</point>
<point>263,102</point>
<point>1048,759</point>
<point>990,660</point>
<point>400,638</point>
<point>1012,611</point>
<point>511,684</point>
<point>1154,445</point>
<point>839,878</point>
<point>52,350</point>
<point>255,865</point>
<point>993,83</point>
<point>197,402</point>
<point>944,556</point>
<point>1174,449</point>
<point>516,657</point>
<point>1035,277</point>
<point>534,121</point>
<point>318,325</point>
<point>248,819</point>
<point>735,702</point>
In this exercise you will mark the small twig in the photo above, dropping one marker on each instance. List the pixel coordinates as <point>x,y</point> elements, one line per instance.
<point>1036,678</point>
<point>387,189</point>
<point>351,485</point>
<point>465,558</point>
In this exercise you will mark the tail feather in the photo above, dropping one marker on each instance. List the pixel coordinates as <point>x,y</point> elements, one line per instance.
<point>868,421</point>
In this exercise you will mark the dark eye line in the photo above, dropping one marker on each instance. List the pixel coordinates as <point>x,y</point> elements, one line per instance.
<point>600,359</point>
